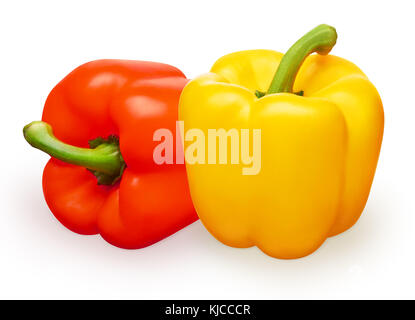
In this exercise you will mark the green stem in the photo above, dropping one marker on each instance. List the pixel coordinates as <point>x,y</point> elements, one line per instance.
<point>321,40</point>
<point>105,160</point>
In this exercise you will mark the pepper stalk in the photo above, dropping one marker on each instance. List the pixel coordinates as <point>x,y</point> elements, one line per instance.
<point>321,40</point>
<point>103,158</point>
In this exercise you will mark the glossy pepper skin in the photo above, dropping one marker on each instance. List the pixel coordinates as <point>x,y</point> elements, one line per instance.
<point>128,99</point>
<point>319,150</point>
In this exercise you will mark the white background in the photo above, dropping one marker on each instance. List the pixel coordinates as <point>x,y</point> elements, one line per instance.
<point>42,41</point>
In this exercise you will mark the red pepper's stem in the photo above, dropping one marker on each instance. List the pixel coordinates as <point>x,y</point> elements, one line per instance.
<point>321,40</point>
<point>105,160</point>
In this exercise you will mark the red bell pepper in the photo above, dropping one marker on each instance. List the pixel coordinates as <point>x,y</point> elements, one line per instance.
<point>114,106</point>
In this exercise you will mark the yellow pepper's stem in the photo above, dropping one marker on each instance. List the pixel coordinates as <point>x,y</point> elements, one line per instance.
<point>321,40</point>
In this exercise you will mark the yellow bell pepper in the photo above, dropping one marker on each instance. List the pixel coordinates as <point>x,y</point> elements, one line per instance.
<point>321,124</point>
